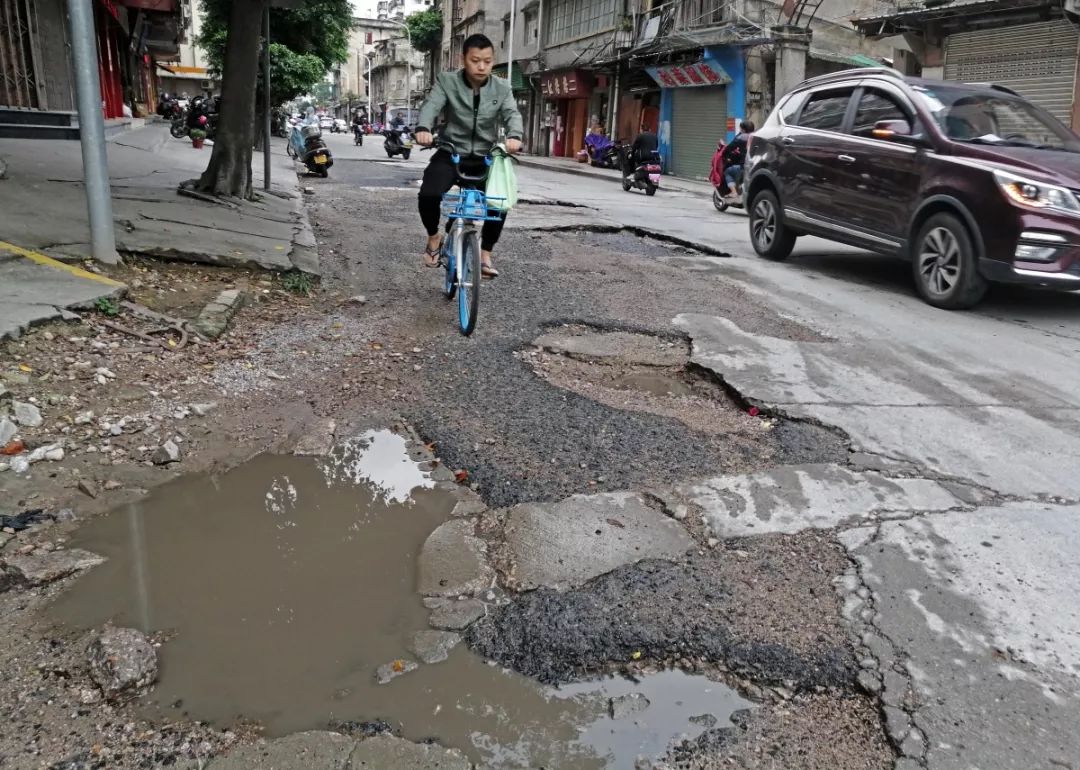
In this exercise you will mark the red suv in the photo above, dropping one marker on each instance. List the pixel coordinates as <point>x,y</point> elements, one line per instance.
<point>970,182</point>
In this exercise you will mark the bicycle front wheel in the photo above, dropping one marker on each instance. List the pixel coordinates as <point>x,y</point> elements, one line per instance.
<point>469,286</point>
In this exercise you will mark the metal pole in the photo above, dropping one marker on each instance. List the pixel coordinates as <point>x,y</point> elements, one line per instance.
<point>92,132</point>
<point>510,47</point>
<point>408,77</point>
<point>266,97</point>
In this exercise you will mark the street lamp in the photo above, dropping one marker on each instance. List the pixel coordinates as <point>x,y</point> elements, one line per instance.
<point>408,65</point>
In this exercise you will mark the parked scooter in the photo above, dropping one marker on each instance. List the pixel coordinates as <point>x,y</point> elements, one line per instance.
<point>306,145</point>
<point>643,176</point>
<point>398,142</point>
<point>603,153</point>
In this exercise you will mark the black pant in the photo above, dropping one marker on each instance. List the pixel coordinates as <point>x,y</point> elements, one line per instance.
<point>439,177</point>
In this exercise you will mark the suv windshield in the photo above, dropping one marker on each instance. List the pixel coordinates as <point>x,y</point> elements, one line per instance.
<point>993,117</point>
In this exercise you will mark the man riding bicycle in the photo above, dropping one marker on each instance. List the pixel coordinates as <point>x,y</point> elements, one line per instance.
<point>476,106</point>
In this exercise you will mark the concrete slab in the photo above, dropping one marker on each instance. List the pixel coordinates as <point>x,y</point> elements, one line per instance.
<point>959,418</point>
<point>385,752</point>
<point>983,607</point>
<point>45,208</point>
<point>453,561</point>
<point>592,345</point>
<point>300,751</point>
<point>564,544</point>
<point>799,497</point>
<point>32,293</point>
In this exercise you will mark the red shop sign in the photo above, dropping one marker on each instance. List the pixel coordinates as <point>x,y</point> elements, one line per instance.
<point>690,75</point>
<point>569,84</point>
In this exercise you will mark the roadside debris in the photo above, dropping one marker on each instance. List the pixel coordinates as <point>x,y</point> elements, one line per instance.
<point>122,661</point>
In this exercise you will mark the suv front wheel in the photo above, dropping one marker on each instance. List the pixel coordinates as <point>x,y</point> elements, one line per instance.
<point>770,236</point>
<point>945,264</point>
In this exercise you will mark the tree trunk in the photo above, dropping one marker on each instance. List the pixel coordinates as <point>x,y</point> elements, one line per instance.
<point>229,172</point>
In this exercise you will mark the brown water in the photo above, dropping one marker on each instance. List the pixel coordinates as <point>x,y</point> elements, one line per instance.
<point>656,383</point>
<point>289,580</point>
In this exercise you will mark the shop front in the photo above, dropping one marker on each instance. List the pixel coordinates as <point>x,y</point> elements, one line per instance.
<point>566,95</point>
<point>701,104</point>
<point>111,37</point>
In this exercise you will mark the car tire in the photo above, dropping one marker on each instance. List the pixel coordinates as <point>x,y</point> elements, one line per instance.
<point>769,234</point>
<point>945,264</point>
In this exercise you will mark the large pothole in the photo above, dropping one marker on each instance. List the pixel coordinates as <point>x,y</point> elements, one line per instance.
<point>283,586</point>
<point>643,372</point>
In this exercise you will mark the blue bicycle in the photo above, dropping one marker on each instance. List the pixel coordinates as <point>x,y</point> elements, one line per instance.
<point>460,252</point>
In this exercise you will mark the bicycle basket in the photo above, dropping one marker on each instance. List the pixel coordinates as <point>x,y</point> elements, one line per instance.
<point>467,205</point>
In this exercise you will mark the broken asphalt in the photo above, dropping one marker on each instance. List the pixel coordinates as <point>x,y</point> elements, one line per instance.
<point>45,220</point>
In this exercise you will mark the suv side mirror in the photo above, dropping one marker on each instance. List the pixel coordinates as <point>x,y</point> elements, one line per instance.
<point>895,130</point>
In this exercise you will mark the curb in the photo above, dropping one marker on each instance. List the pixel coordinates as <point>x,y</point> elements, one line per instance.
<point>47,261</point>
<point>587,171</point>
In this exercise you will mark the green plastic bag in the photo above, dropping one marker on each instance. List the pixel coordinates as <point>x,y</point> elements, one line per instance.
<point>501,187</point>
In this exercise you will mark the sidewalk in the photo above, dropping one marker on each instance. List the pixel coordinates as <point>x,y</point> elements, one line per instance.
<point>45,214</point>
<point>568,166</point>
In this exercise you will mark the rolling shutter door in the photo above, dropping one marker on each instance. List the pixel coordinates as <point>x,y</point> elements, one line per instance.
<point>698,122</point>
<point>1038,61</point>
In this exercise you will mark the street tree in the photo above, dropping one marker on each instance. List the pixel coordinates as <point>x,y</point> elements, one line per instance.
<point>229,170</point>
<point>305,43</point>
<point>425,29</point>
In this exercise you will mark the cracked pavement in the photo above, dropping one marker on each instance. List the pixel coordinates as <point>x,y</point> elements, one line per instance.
<point>885,549</point>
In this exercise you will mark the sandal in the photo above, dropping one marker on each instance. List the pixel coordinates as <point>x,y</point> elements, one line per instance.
<point>432,257</point>
<point>487,270</point>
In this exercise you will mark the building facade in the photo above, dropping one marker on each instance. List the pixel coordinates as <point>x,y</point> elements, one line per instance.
<point>189,74</point>
<point>132,37</point>
<point>1030,46</point>
<point>397,79</point>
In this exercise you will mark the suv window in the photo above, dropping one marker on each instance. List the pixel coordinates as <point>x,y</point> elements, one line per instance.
<point>825,110</point>
<point>875,106</point>
<point>790,108</point>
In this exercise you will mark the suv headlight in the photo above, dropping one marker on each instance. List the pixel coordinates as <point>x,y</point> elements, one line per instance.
<point>1036,195</point>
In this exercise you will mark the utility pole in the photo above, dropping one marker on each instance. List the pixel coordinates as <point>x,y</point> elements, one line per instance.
<point>92,132</point>
<point>408,70</point>
<point>266,97</point>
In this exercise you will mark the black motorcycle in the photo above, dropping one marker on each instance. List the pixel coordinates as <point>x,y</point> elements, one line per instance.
<point>398,142</point>
<point>358,134</point>
<point>202,113</point>
<point>644,175</point>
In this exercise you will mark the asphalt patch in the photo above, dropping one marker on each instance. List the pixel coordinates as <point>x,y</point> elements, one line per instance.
<point>657,611</point>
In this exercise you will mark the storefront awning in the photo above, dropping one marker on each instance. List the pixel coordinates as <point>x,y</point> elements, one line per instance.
<point>890,24</point>
<point>517,81</point>
<point>854,59</point>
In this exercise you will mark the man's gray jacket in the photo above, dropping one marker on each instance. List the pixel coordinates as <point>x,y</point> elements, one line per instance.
<point>472,120</point>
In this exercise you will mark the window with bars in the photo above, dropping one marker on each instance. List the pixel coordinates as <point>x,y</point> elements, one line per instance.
<point>703,13</point>
<point>571,19</point>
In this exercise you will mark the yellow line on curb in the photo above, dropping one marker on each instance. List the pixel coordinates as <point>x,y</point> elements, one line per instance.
<point>47,261</point>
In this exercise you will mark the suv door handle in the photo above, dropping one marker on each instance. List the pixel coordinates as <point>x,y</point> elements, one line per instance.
<point>846,158</point>
<point>788,140</point>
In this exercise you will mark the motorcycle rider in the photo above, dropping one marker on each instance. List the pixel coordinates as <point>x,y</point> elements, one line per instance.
<point>734,157</point>
<point>476,105</point>
<point>645,144</point>
<point>357,123</point>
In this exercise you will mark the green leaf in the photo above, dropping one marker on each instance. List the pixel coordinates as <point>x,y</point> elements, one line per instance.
<point>426,29</point>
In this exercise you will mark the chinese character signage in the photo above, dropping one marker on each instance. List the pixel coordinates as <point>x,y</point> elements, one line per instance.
<point>702,73</point>
<point>568,84</point>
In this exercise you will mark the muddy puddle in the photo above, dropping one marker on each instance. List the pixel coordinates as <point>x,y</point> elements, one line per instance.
<point>283,585</point>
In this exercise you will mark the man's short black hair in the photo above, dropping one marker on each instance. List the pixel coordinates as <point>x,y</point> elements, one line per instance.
<point>747,126</point>
<point>476,41</point>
